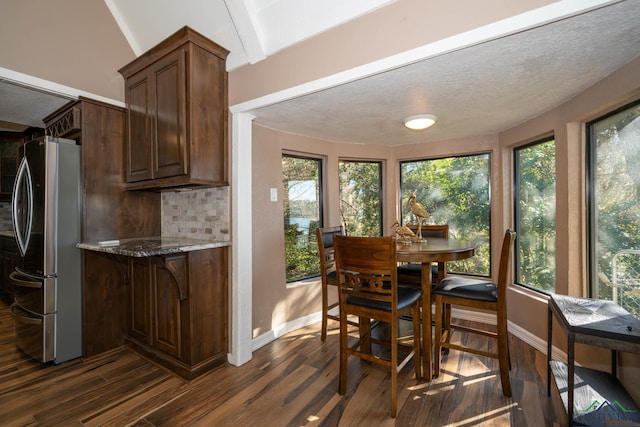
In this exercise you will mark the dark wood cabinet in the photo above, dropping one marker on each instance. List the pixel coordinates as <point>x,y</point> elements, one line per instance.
<point>157,145</point>
<point>169,290</point>
<point>178,309</point>
<point>9,160</point>
<point>155,296</point>
<point>176,95</point>
<point>139,296</point>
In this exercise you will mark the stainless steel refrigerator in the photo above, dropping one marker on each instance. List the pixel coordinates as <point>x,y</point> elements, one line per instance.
<point>47,306</point>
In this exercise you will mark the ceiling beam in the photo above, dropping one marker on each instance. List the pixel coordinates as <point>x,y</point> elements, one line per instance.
<point>243,21</point>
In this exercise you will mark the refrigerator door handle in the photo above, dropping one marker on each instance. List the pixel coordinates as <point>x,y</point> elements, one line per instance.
<point>19,280</point>
<point>23,319</point>
<point>23,178</point>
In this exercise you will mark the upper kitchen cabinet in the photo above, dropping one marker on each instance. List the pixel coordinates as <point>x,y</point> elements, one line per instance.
<point>176,95</point>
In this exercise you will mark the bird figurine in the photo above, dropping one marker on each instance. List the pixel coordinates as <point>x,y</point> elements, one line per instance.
<point>419,211</point>
<point>402,231</point>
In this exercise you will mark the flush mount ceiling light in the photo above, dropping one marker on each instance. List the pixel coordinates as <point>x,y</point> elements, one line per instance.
<point>420,121</point>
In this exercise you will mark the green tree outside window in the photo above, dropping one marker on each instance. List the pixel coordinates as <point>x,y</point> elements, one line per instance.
<point>454,191</point>
<point>361,197</point>
<point>535,215</point>
<point>613,194</point>
<point>301,183</point>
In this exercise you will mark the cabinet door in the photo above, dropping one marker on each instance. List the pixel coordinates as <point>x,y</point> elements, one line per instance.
<point>170,152</point>
<point>139,133</point>
<point>139,323</point>
<point>168,275</point>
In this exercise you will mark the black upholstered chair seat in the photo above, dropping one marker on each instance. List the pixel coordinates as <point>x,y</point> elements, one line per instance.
<point>406,297</point>
<point>473,289</point>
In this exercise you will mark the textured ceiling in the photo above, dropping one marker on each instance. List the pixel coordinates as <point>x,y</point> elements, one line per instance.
<point>24,106</point>
<point>479,90</point>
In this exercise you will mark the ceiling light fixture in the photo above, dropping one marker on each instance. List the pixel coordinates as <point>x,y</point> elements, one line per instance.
<point>420,121</point>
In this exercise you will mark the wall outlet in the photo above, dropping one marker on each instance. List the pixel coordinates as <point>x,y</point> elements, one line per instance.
<point>274,194</point>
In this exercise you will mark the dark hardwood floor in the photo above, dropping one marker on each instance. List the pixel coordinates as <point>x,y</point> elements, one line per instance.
<point>292,381</point>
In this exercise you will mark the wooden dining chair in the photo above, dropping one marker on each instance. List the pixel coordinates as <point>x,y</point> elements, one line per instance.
<point>369,289</point>
<point>411,272</point>
<point>328,274</point>
<point>476,294</point>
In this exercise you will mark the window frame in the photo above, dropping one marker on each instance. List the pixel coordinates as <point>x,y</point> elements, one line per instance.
<point>380,164</point>
<point>489,155</point>
<point>590,198</point>
<point>516,209</point>
<point>320,160</point>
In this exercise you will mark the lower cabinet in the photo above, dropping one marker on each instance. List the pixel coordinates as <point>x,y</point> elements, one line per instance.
<point>178,309</point>
<point>139,318</point>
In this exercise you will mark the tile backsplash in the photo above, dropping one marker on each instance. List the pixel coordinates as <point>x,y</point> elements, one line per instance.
<point>196,214</point>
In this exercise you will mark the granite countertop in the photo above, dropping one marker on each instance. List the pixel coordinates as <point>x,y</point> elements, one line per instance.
<point>151,246</point>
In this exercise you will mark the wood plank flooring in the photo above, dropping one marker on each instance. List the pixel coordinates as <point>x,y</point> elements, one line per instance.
<point>292,381</point>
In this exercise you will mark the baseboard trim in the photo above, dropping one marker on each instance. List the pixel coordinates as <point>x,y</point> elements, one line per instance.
<point>284,329</point>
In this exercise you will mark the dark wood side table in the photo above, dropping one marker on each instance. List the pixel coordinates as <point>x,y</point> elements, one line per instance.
<point>594,396</point>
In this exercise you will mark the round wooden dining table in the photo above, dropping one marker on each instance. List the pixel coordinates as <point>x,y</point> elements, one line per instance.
<point>426,252</point>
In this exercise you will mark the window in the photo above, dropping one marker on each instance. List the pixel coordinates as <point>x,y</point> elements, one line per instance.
<point>455,191</point>
<point>613,200</point>
<point>535,214</point>
<point>361,197</point>
<point>302,199</point>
